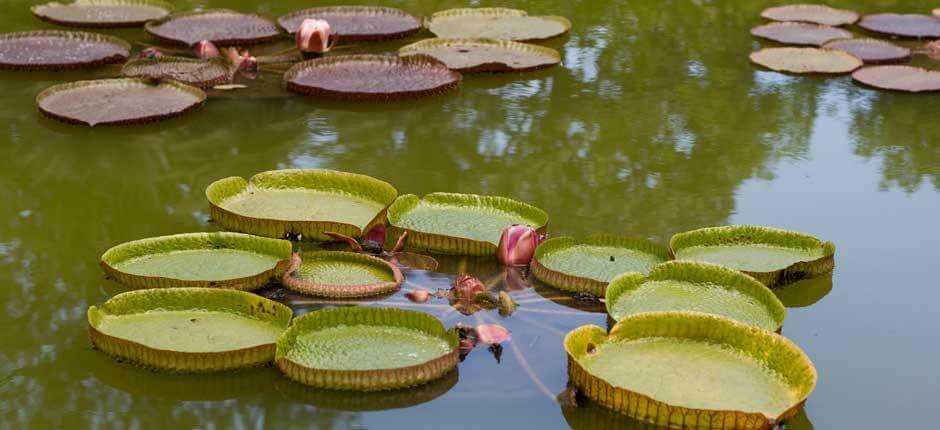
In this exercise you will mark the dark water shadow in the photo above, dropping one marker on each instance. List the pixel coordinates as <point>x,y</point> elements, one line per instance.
<point>354,401</point>
<point>139,381</point>
<point>805,292</point>
<point>595,417</point>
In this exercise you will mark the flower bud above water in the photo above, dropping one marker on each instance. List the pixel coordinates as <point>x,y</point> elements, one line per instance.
<point>315,36</point>
<point>206,49</point>
<point>517,245</point>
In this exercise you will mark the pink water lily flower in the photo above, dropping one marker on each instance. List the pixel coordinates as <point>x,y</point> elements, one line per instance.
<point>492,334</point>
<point>315,36</point>
<point>517,245</point>
<point>206,49</point>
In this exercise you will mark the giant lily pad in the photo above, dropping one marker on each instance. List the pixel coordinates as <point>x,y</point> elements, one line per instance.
<point>485,55</point>
<point>697,287</point>
<point>228,260</point>
<point>871,51</point>
<point>103,13</point>
<point>219,26</point>
<point>342,275</point>
<point>691,370</point>
<point>496,23</point>
<point>904,25</point>
<point>306,202</point>
<point>357,23</point>
<point>189,71</point>
<point>812,13</point>
<point>458,223</point>
<point>118,101</point>
<point>59,50</point>
<point>806,60</point>
<point>366,349</point>
<point>799,33</point>
<point>772,256</point>
<point>189,329</point>
<point>371,77</point>
<point>899,78</point>
<point>588,266</point>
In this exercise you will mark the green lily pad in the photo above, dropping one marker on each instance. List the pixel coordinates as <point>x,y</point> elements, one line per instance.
<point>56,50</point>
<point>799,33</point>
<point>588,266</point>
<point>871,51</point>
<point>466,224</point>
<point>306,202</point>
<point>219,26</point>
<point>910,25</point>
<point>697,287</point>
<point>225,260</point>
<point>484,55</point>
<point>356,23</point>
<point>342,275</point>
<point>189,329</point>
<point>190,71</point>
<point>773,256</point>
<point>496,23</point>
<point>691,370</point>
<point>121,101</point>
<point>366,349</point>
<point>103,13</point>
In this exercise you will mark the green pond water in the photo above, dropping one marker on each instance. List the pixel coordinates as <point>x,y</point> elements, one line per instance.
<point>656,123</point>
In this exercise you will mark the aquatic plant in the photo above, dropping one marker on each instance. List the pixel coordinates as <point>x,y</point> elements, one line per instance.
<point>899,78</point>
<point>812,13</point>
<point>915,26</point>
<point>102,13</point>
<point>341,274</point>
<point>222,27</point>
<point>517,245</point>
<point>806,60</point>
<point>315,37</point>
<point>496,23</point>
<point>353,24</point>
<point>871,51</point>
<point>484,55</point>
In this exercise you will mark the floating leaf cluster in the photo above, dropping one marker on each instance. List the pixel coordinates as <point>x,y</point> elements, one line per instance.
<point>835,50</point>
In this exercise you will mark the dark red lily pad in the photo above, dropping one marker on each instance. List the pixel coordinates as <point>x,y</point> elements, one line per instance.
<point>219,26</point>
<point>371,77</point>
<point>871,51</point>
<point>117,101</point>
<point>190,71</point>
<point>357,23</point>
<point>813,13</point>
<point>899,78</point>
<point>799,33</point>
<point>904,25</point>
<point>103,13</point>
<point>59,50</point>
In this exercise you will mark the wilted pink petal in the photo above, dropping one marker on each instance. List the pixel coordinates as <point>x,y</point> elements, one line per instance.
<point>206,49</point>
<point>492,334</point>
<point>467,287</point>
<point>517,245</point>
<point>418,296</point>
<point>314,36</point>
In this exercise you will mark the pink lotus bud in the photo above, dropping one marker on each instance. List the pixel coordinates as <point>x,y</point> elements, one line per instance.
<point>517,245</point>
<point>315,36</point>
<point>206,49</point>
<point>467,287</point>
<point>933,49</point>
<point>492,334</point>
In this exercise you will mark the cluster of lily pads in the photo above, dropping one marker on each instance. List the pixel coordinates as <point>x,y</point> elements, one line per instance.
<point>693,341</point>
<point>157,85</point>
<point>833,50</point>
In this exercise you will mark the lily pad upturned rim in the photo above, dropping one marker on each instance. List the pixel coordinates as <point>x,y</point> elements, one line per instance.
<point>220,64</point>
<point>191,241</point>
<point>572,283</point>
<point>699,273</point>
<point>198,95</point>
<point>801,27</point>
<point>40,12</point>
<point>368,380</point>
<point>342,291</point>
<point>499,12</point>
<point>180,299</point>
<point>355,9</point>
<point>752,234</point>
<point>760,58</point>
<point>448,244</point>
<point>904,54</point>
<point>417,47</point>
<point>150,27</point>
<point>778,352</point>
<point>779,13</point>
<point>98,38</point>
<point>382,61</point>
<point>864,77</point>
<point>355,184</point>
<point>908,32</point>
